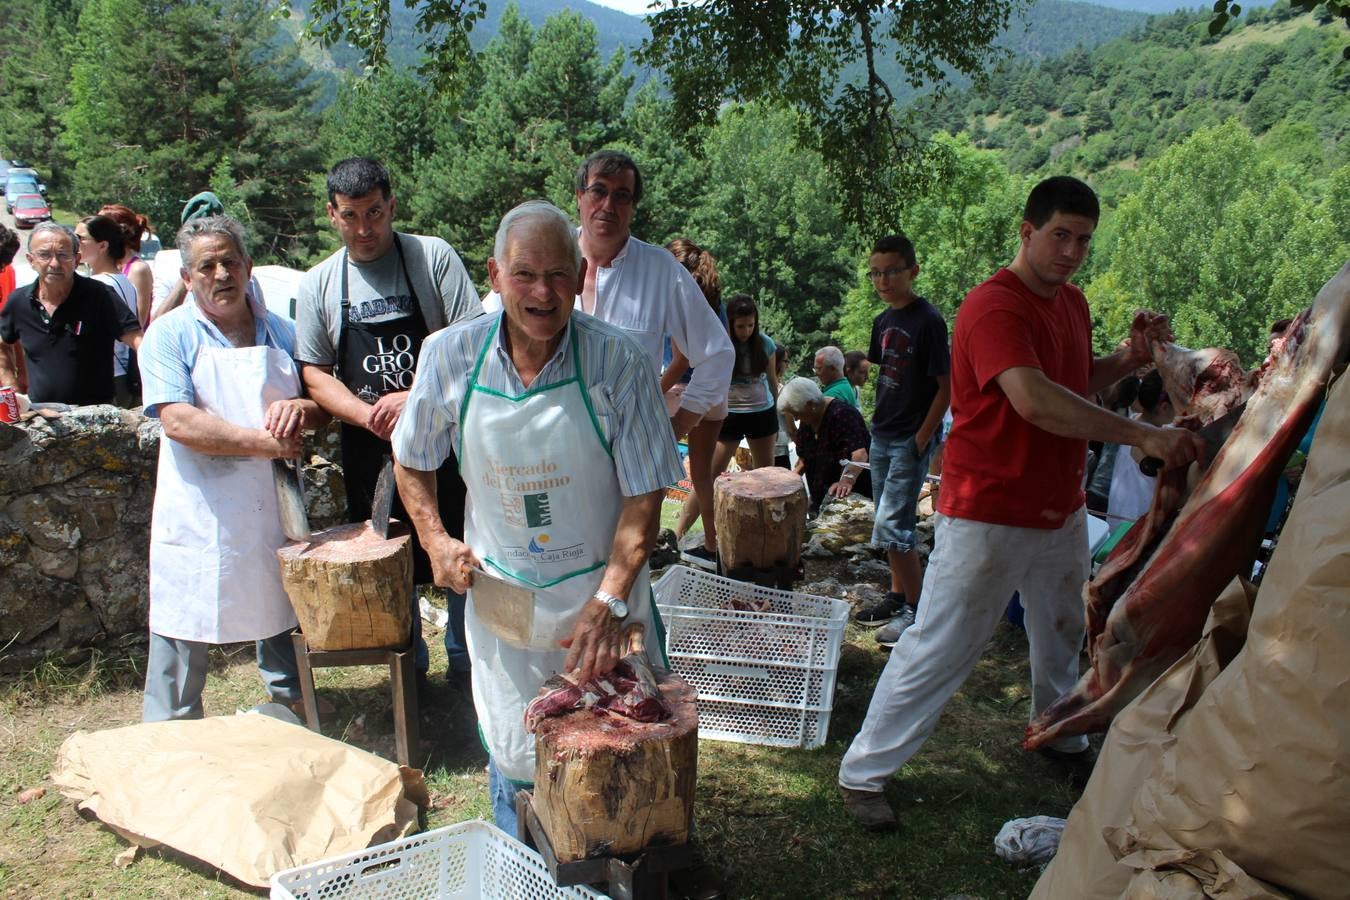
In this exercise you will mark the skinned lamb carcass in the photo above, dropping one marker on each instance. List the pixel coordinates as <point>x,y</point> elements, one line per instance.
<point>1148,603</point>
<point>1202,384</point>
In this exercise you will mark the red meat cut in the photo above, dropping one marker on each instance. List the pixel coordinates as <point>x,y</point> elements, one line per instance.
<point>623,692</point>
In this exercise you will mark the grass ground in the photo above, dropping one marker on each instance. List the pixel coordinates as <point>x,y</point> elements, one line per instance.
<point>769,818</point>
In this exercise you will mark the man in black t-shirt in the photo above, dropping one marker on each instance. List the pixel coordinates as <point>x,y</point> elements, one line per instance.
<point>67,325</point>
<point>910,351</point>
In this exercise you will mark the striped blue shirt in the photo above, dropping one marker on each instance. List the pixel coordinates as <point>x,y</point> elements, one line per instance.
<point>169,349</point>
<point>623,390</point>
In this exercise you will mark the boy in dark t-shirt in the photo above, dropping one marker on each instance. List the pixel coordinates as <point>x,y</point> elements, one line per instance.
<point>909,350</point>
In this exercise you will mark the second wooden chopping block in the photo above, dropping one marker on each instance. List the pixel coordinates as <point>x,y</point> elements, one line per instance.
<point>351,588</point>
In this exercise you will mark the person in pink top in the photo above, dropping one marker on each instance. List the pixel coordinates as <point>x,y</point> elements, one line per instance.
<point>130,264</point>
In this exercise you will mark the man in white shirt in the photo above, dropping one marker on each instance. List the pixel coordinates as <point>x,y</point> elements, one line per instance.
<point>643,289</point>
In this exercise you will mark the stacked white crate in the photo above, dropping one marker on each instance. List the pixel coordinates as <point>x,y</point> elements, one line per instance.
<point>762,677</point>
<point>458,862</point>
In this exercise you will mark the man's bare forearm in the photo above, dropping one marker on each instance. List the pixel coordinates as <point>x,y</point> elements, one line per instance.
<point>417,490</point>
<point>211,435</point>
<point>334,396</point>
<point>1058,410</point>
<point>9,368</point>
<point>634,537</point>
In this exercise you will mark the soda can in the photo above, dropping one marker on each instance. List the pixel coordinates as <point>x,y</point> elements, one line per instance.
<point>9,405</point>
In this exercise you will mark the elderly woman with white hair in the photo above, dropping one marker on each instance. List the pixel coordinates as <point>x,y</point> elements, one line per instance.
<point>826,431</point>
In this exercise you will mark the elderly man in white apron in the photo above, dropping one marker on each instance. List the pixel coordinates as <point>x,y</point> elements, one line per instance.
<point>218,374</point>
<point>565,448</point>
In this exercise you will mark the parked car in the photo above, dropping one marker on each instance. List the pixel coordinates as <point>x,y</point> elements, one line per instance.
<point>25,172</point>
<point>17,186</point>
<point>30,209</point>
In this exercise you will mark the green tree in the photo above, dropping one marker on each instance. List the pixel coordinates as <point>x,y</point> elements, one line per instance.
<point>791,53</point>
<point>39,42</point>
<point>768,213</point>
<point>795,54</point>
<point>1222,239</point>
<point>545,101</point>
<point>389,117</point>
<point>163,93</point>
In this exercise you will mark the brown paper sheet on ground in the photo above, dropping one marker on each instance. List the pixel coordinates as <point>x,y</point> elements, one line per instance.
<point>1212,785</point>
<point>1085,868</point>
<point>1261,767</point>
<point>249,795</point>
<point>1193,875</point>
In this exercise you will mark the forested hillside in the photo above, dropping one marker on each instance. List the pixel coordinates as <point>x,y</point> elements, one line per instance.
<point>1106,109</point>
<point>1209,153</point>
<point>1223,162</point>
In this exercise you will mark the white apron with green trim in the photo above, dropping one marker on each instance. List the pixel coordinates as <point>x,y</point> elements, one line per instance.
<point>543,504</point>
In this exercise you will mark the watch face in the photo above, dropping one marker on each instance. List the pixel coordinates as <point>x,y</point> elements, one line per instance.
<point>619,608</point>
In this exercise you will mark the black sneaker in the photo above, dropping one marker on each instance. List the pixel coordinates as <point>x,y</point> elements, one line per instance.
<point>701,557</point>
<point>879,612</point>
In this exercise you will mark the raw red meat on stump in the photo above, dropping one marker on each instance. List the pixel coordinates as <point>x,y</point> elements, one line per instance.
<point>607,784</point>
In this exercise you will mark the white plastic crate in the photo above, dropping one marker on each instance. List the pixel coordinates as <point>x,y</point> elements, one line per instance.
<point>469,860</point>
<point>762,677</point>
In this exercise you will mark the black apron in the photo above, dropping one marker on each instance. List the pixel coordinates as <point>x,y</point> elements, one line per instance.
<point>374,359</point>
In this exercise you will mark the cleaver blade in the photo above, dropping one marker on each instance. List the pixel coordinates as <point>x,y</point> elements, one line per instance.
<point>506,608</point>
<point>290,499</point>
<point>383,500</point>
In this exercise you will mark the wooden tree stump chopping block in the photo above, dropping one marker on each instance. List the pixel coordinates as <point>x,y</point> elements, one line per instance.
<point>351,588</point>
<point>760,517</point>
<point>607,786</point>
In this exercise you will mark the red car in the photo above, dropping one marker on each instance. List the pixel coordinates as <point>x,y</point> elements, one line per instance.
<point>30,209</point>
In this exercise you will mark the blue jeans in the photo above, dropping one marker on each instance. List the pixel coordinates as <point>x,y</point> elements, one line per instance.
<point>898,471</point>
<point>456,648</point>
<point>502,793</point>
<point>175,675</point>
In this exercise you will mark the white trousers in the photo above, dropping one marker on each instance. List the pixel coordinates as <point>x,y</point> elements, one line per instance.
<point>972,574</point>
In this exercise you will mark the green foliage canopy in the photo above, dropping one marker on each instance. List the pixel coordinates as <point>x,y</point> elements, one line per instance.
<point>163,95</point>
<point>1224,240</point>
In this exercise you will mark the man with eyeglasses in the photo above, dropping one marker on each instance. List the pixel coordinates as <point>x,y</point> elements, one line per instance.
<point>643,289</point>
<point>361,317</point>
<point>66,324</point>
<point>829,369</point>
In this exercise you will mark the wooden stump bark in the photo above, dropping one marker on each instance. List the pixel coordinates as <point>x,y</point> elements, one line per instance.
<point>760,517</point>
<point>605,786</point>
<point>351,589</point>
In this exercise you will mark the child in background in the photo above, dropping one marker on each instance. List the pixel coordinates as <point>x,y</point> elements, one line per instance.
<point>751,402</point>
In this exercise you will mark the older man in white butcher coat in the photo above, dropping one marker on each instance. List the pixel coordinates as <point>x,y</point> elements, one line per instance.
<point>218,373</point>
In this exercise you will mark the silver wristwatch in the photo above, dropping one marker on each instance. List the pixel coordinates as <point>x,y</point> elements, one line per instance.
<point>617,608</point>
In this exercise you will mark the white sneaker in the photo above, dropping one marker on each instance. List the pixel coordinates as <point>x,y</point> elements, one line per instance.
<point>888,635</point>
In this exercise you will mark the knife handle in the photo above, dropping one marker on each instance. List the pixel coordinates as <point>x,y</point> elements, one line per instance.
<point>1150,466</point>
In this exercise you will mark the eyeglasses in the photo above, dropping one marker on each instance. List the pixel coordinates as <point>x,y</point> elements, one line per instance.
<point>49,256</point>
<point>599,192</point>
<point>881,274</point>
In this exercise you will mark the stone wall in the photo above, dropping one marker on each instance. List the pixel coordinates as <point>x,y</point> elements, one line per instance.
<point>75,500</point>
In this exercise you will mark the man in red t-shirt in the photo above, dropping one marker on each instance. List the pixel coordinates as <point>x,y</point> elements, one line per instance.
<point>1012,495</point>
